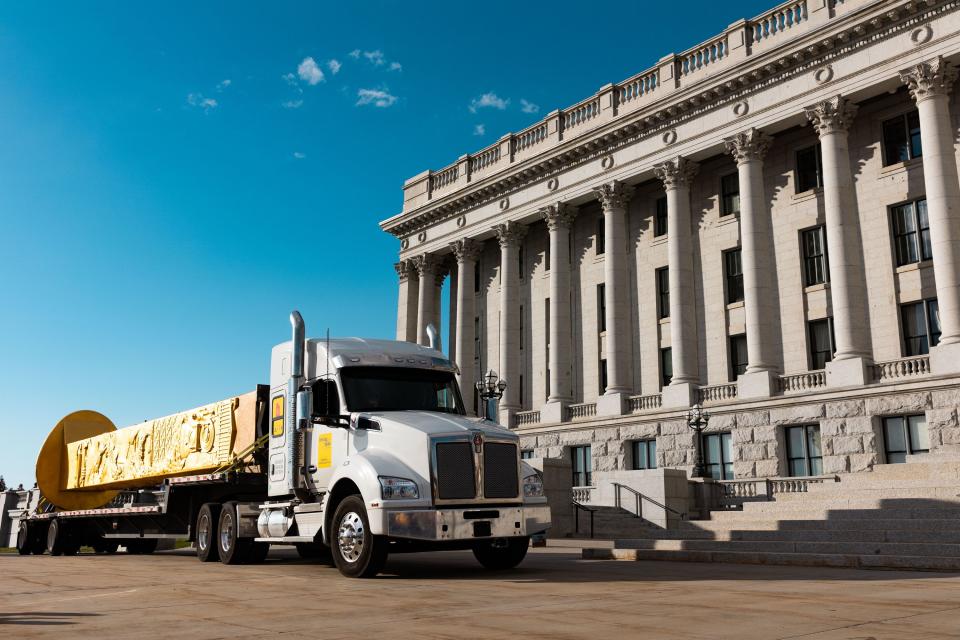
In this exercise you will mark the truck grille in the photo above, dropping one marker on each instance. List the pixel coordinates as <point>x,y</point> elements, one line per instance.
<point>455,474</point>
<point>500,470</point>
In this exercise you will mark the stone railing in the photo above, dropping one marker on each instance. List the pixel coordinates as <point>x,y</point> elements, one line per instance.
<point>801,382</point>
<point>528,417</point>
<point>746,38</point>
<point>582,410</point>
<point>636,404</point>
<point>583,495</point>
<point>901,368</point>
<point>733,493</point>
<point>717,393</point>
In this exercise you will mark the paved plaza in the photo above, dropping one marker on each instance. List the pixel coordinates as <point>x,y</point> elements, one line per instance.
<point>446,595</point>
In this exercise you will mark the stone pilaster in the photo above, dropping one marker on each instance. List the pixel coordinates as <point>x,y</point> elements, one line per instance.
<point>930,84</point>
<point>848,290</point>
<point>407,301</point>
<point>510,235</point>
<point>466,252</point>
<point>615,196</point>
<point>559,217</point>
<point>428,267</point>
<point>756,237</point>
<point>677,176</point>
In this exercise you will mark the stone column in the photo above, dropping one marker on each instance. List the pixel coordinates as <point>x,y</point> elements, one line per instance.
<point>614,197</point>
<point>848,287</point>
<point>407,301</point>
<point>442,270</point>
<point>454,303</point>
<point>510,235</point>
<point>677,176</point>
<point>427,266</point>
<point>466,252</point>
<point>756,240</point>
<point>930,84</point>
<point>559,217</point>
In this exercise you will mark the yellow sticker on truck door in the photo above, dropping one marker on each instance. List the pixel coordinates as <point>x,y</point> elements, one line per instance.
<point>324,450</point>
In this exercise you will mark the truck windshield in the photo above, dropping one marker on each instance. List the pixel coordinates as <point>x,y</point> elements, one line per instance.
<point>400,389</point>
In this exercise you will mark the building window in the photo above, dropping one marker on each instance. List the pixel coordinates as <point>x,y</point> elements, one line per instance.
<point>730,194</point>
<point>821,343</point>
<point>809,169</point>
<point>660,218</point>
<point>476,277</point>
<point>582,466</point>
<point>911,232</point>
<point>521,327</point>
<point>905,435</point>
<point>645,454</point>
<point>804,457</point>
<point>476,337</point>
<point>901,138</point>
<point>602,307</point>
<point>815,270</point>
<point>718,461</point>
<point>603,376</point>
<point>601,236</point>
<point>738,356</point>
<point>526,454</point>
<point>921,326</point>
<point>547,257</point>
<point>546,350</point>
<point>734,271</point>
<point>663,292</point>
<point>520,262</point>
<point>666,366</point>
<point>520,391</point>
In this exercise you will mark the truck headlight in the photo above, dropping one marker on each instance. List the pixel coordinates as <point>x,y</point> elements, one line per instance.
<point>533,486</point>
<point>398,489</point>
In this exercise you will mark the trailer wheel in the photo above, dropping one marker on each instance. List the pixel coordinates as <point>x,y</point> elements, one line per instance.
<point>56,538</point>
<point>232,549</point>
<point>25,542</point>
<point>502,554</point>
<point>206,539</point>
<point>356,552</point>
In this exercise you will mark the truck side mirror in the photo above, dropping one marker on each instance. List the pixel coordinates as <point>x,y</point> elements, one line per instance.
<point>326,400</point>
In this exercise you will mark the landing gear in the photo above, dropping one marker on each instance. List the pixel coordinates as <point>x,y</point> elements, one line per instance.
<point>356,552</point>
<point>502,554</point>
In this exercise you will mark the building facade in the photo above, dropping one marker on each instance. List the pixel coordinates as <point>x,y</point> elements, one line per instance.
<point>767,224</point>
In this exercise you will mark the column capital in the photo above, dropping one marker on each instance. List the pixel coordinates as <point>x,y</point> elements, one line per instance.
<point>510,233</point>
<point>613,195</point>
<point>929,79</point>
<point>677,173</point>
<point>831,116</point>
<point>426,263</point>
<point>404,269</point>
<point>466,250</point>
<point>748,146</point>
<point>558,216</point>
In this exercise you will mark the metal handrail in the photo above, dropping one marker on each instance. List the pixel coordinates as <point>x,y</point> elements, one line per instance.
<point>640,497</point>
<point>576,515</point>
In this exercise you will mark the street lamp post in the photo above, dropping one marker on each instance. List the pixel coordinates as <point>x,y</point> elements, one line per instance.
<point>697,420</point>
<point>489,387</point>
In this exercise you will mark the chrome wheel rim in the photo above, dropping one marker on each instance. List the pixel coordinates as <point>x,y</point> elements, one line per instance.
<point>226,531</point>
<point>203,532</point>
<point>350,537</point>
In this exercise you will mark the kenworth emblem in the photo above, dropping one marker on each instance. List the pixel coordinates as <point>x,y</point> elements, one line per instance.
<point>477,441</point>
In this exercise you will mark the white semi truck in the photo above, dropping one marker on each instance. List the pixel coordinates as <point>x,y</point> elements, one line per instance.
<point>363,448</point>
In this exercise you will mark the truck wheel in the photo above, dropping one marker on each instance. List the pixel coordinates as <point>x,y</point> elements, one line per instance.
<point>141,546</point>
<point>356,552</point>
<point>315,551</point>
<point>232,550</point>
<point>25,544</point>
<point>206,538</point>
<point>502,554</point>
<point>55,538</point>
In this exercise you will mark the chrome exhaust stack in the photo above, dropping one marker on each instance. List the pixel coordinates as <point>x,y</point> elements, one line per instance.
<point>433,337</point>
<point>298,404</point>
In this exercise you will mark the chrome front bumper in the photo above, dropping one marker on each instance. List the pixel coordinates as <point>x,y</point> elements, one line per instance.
<point>468,524</point>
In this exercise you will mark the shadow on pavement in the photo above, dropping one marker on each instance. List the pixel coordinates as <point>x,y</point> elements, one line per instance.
<point>42,618</point>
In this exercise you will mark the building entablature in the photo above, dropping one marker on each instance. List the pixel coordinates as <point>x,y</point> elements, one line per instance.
<point>757,74</point>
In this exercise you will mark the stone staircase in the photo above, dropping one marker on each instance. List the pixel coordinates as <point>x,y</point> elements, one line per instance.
<point>904,516</point>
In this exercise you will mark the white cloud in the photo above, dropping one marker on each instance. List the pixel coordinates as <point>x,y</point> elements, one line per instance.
<point>223,84</point>
<point>488,100</point>
<point>374,57</point>
<point>396,66</point>
<point>479,130</point>
<point>528,107</point>
<point>197,100</point>
<point>376,97</point>
<point>309,72</point>
<point>293,104</point>
<point>334,66</point>
<point>299,155</point>
<point>355,54</point>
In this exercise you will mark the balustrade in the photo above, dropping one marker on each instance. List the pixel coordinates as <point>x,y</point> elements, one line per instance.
<point>717,392</point>
<point>702,56</point>
<point>800,382</point>
<point>581,113</point>
<point>644,403</point>
<point>581,410</point>
<point>901,368</point>
<point>779,20</point>
<point>582,494</point>
<point>528,417</point>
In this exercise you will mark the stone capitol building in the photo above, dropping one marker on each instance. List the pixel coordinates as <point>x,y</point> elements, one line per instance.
<point>766,224</point>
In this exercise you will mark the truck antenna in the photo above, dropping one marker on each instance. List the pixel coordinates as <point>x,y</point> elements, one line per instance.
<point>328,352</point>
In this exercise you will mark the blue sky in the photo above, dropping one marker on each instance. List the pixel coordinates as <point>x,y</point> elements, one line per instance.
<point>176,177</point>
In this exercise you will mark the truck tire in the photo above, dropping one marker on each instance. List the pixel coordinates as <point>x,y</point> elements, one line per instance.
<point>498,555</point>
<point>356,552</point>
<point>25,543</point>
<point>206,538</point>
<point>56,538</point>
<point>232,549</point>
<point>315,551</point>
<point>141,546</point>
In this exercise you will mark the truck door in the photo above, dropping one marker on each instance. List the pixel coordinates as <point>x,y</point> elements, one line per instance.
<point>329,443</point>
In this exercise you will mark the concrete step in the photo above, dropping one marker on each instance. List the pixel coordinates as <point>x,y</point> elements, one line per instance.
<point>944,536</point>
<point>841,505</point>
<point>946,494</point>
<point>872,481</point>
<point>948,470</point>
<point>818,548</point>
<point>842,524</point>
<point>926,563</point>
